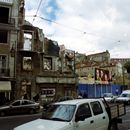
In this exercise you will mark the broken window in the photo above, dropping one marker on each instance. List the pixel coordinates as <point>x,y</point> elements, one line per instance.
<point>5,15</point>
<point>27,63</point>
<point>28,41</point>
<point>3,36</point>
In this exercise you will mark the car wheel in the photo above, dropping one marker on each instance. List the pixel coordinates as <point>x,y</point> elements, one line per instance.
<point>2,113</point>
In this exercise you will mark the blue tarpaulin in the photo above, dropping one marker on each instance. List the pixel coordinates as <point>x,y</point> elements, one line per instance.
<point>97,90</point>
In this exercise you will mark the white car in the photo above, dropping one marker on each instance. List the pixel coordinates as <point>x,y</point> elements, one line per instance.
<point>124,97</point>
<point>79,114</point>
<point>109,97</point>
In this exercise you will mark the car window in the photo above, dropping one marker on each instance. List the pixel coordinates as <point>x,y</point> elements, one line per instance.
<point>84,111</point>
<point>17,103</point>
<point>125,95</point>
<point>26,102</point>
<point>96,107</point>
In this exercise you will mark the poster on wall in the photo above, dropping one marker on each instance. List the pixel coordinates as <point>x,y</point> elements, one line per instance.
<point>102,76</point>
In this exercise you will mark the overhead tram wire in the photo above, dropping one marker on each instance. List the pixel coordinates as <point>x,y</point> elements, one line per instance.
<point>65,26</point>
<point>37,11</point>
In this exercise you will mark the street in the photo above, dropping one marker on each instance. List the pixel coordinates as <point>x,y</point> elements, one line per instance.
<point>8,123</point>
<point>126,120</point>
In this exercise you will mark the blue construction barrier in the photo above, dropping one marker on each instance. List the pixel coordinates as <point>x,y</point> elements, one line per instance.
<point>97,90</point>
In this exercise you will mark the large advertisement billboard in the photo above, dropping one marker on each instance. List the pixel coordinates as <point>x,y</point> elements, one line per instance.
<point>102,76</point>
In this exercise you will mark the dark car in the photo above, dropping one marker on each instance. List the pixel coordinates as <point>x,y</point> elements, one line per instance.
<point>20,107</point>
<point>65,98</point>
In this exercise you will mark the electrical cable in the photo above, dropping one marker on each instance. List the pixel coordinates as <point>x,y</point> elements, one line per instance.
<point>37,11</point>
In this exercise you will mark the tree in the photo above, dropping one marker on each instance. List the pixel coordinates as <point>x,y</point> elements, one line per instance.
<point>127,66</point>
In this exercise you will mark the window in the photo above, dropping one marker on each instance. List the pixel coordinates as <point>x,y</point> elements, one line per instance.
<point>2,63</point>
<point>27,63</point>
<point>84,111</point>
<point>96,107</point>
<point>28,41</point>
<point>5,14</point>
<point>3,36</point>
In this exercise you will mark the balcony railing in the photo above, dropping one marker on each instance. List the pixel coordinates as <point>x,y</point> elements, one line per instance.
<point>7,1</point>
<point>4,72</point>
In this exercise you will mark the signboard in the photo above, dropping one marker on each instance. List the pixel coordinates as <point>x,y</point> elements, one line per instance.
<point>102,76</point>
<point>48,92</point>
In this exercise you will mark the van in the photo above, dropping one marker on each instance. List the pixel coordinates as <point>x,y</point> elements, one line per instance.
<point>124,97</point>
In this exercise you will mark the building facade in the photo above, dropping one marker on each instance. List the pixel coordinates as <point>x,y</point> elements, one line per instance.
<point>9,29</point>
<point>42,68</point>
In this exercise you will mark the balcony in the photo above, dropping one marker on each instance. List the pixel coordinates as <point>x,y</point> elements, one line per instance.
<point>4,72</point>
<point>6,1</point>
<point>8,25</point>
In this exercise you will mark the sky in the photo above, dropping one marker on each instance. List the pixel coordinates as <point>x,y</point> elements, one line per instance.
<point>85,26</point>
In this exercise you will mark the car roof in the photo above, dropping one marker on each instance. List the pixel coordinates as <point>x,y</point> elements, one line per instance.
<point>126,91</point>
<point>77,101</point>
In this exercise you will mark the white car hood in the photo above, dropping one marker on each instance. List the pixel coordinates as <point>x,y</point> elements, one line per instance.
<point>41,124</point>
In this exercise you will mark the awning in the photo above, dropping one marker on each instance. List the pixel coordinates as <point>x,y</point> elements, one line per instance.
<point>5,86</point>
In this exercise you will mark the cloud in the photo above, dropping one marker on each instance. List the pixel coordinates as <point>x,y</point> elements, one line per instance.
<point>86,26</point>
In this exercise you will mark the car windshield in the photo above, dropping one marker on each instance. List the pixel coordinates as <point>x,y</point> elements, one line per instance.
<point>124,95</point>
<point>107,95</point>
<point>59,112</point>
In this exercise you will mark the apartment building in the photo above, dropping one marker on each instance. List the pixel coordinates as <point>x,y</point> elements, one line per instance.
<point>86,69</point>
<point>9,28</point>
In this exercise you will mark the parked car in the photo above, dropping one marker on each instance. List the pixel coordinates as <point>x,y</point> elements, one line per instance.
<point>109,97</point>
<point>65,98</point>
<point>20,107</point>
<point>124,97</point>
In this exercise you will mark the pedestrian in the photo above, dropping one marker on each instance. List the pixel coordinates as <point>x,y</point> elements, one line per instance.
<point>80,95</point>
<point>85,95</point>
<point>117,92</point>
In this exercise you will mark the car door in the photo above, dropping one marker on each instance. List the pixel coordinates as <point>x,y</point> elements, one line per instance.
<point>84,119</point>
<point>26,106</point>
<point>15,107</point>
<point>100,116</point>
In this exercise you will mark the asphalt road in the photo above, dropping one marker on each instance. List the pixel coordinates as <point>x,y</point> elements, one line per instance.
<point>126,120</point>
<point>8,123</point>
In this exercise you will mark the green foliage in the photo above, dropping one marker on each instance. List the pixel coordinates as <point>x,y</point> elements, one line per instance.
<point>127,66</point>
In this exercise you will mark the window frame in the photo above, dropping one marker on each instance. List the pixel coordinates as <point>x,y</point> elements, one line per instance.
<point>96,110</point>
<point>84,116</point>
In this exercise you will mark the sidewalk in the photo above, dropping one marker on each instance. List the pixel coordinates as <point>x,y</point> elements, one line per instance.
<point>122,127</point>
